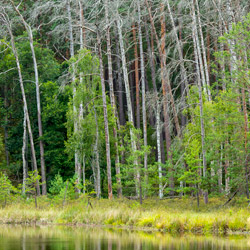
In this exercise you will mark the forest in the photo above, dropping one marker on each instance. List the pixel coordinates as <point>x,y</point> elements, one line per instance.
<point>124,98</point>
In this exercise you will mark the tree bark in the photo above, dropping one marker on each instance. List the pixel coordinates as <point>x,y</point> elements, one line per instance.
<point>120,86</point>
<point>136,65</point>
<point>97,165</point>
<point>23,152</point>
<point>106,126</point>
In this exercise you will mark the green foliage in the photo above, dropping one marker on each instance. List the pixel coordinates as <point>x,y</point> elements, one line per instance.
<point>31,182</point>
<point>6,189</point>
<point>134,160</point>
<point>56,185</point>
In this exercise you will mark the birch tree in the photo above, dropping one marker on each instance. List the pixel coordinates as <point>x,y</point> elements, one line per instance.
<point>39,118</point>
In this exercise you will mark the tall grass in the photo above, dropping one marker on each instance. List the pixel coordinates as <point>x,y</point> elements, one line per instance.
<point>169,215</point>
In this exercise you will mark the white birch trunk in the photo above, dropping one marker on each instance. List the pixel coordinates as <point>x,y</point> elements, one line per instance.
<point>105,112</point>
<point>72,54</point>
<point>33,152</point>
<point>23,152</point>
<point>97,158</point>
<point>144,116</point>
<point>196,52</point>
<point>40,130</point>
<point>203,48</point>
<point>198,48</point>
<point>158,132</point>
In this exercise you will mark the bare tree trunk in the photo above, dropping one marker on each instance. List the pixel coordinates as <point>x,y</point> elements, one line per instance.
<point>97,165</point>
<point>151,60</point>
<point>158,132</point>
<point>106,126</point>
<point>33,153</point>
<point>180,50</point>
<point>120,86</point>
<point>198,47</point>
<point>40,129</point>
<point>136,64</point>
<point>195,37</point>
<point>153,77</point>
<point>7,157</point>
<point>112,99</point>
<point>72,54</point>
<point>204,52</point>
<point>165,104</point>
<point>144,116</point>
<point>82,29</point>
<point>23,152</point>
<point>164,74</point>
<point>220,169</point>
<point>130,113</point>
<point>83,174</point>
<point>231,19</point>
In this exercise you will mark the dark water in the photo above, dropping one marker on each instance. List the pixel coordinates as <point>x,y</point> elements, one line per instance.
<point>76,238</point>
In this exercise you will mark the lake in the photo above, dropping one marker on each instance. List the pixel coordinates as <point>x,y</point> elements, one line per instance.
<point>76,238</point>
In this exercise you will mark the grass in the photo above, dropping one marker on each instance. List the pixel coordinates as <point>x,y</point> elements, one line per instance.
<point>175,216</point>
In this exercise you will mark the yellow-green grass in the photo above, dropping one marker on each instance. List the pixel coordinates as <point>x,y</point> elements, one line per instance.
<point>179,215</point>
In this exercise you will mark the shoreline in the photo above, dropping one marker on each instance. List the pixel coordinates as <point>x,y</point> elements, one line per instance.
<point>163,216</point>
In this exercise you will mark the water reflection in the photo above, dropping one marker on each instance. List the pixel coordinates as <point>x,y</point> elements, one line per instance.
<point>78,238</point>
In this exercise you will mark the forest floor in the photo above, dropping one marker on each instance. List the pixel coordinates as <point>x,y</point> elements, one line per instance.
<point>171,215</point>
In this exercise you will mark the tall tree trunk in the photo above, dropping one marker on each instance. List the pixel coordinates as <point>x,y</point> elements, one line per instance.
<point>203,52</point>
<point>113,104</point>
<point>129,105</point>
<point>23,152</point>
<point>164,74</point>
<point>233,56</point>
<point>97,165</point>
<point>197,63</point>
<point>83,174</point>
<point>40,129</point>
<point>158,132</point>
<point>72,54</point>
<point>198,47</point>
<point>180,49</point>
<point>82,29</point>
<point>151,60</point>
<point>33,152</point>
<point>165,104</point>
<point>120,86</point>
<point>6,135</point>
<point>153,77</point>
<point>144,116</point>
<point>106,126</point>
<point>136,64</point>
